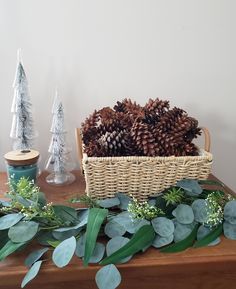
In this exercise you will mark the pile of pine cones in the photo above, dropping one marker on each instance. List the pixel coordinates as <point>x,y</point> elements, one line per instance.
<point>132,130</point>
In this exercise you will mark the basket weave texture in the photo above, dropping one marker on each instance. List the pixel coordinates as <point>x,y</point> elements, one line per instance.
<point>140,176</point>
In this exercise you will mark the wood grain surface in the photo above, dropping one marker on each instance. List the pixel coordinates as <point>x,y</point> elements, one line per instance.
<point>201,268</point>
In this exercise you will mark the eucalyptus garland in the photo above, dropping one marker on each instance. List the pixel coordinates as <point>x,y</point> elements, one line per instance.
<point>186,215</point>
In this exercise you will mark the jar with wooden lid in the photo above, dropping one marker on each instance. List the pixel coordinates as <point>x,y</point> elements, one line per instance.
<point>22,163</point>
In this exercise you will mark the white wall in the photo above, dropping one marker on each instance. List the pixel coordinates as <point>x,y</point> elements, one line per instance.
<point>100,51</point>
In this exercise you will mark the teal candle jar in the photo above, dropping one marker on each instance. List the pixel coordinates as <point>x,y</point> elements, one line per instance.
<point>22,164</point>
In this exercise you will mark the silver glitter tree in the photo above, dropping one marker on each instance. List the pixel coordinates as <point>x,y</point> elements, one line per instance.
<point>59,159</point>
<point>22,130</point>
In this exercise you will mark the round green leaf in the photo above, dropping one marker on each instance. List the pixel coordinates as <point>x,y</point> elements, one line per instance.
<point>64,252</point>
<point>230,212</point>
<point>191,187</point>
<point>229,230</point>
<point>162,241</point>
<point>131,225</point>
<point>109,202</point>
<point>115,244</point>
<point>113,229</point>
<point>108,277</point>
<point>23,231</point>
<point>123,218</point>
<point>204,231</point>
<point>182,231</point>
<point>98,253</point>
<point>124,201</point>
<point>163,226</point>
<point>184,214</point>
<point>10,220</point>
<point>32,273</point>
<point>200,210</point>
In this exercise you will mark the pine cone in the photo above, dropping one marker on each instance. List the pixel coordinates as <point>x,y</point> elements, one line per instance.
<point>94,149</point>
<point>112,143</point>
<point>128,107</point>
<point>157,106</point>
<point>144,140</point>
<point>129,129</point>
<point>89,129</point>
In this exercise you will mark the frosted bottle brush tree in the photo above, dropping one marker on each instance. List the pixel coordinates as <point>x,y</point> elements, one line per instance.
<point>22,130</point>
<point>59,160</point>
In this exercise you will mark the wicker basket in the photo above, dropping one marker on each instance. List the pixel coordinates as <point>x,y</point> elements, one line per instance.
<point>140,176</point>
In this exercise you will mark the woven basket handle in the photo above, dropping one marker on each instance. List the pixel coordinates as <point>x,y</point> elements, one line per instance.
<point>79,147</point>
<point>207,145</point>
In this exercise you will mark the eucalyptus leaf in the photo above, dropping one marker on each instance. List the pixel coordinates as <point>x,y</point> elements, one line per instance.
<point>26,203</point>
<point>23,231</point>
<point>43,237</point>
<point>144,236</point>
<point>63,235</point>
<point>5,203</point>
<point>184,214</point>
<point>182,245</point>
<point>159,241</point>
<point>113,229</point>
<point>124,201</point>
<point>200,210</point>
<point>10,220</point>
<point>230,212</point>
<point>10,248</point>
<point>109,202</point>
<point>203,232</point>
<point>115,244</point>
<point>3,238</point>
<point>108,277</point>
<point>163,226</point>
<point>210,237</point>
<point>64,252</point>
<point>124,218</point>
<point>53,244</point>
<point>66,229</point>
<point>95,220</point>
<point>182,231</point>
<point>42,199</point>
<point>131,224</point>
<point>67,214</point>
<point>83,216</point>
<point>229,230</point>
<point>32,273</point>
<point>211,182</point>
<point>152,202</point>
<point>191,187</point>
<point>98,253</point>
<point>35,256</point>
<point>80,246</point>
<point>136,225</point>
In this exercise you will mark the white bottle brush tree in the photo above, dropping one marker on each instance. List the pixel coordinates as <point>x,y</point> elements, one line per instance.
<point>59,160</point>
<point>22,130</point>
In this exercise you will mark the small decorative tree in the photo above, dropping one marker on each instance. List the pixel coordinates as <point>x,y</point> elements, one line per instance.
<point>22,130</point>
<point>58,160</point>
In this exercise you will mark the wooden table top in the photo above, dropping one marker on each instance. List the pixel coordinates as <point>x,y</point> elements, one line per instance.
<point>207,267</point>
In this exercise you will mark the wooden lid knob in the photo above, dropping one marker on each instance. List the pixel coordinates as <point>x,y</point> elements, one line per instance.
<point>21,157</point>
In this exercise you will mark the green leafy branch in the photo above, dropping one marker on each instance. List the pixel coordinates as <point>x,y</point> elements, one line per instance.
<point>183,216</point>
